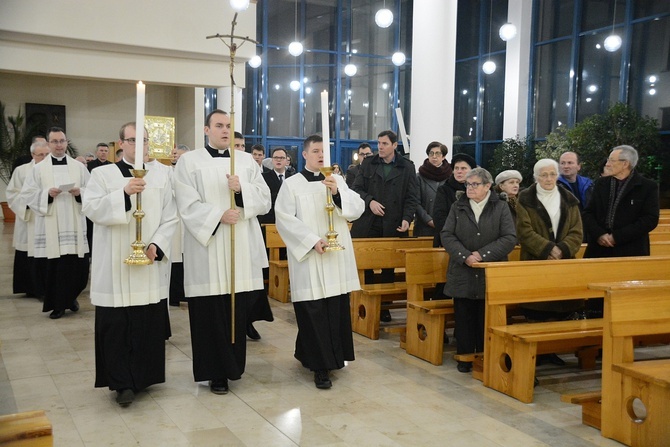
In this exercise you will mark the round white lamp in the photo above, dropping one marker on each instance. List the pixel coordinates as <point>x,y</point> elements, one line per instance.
<point>294,85</point>
<point>239,5</point>
<point>384,18</point>
<point>398,59</point>
<point>507,32</point>
<point>612,43</point>
<point>295,48</point>
<point>489,67</point>
<point>255,61</point>
<point>350,70</point>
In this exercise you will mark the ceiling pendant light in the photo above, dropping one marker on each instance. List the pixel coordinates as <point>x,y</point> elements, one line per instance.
<point>239,5</point>
<point>294,85</point>
<point>613,42</point>
<point>384,17</point>
<point>398,59</point>
<point>295,48</point>
<point>255,61</point>
<point>507,32</point>
<point>350,70</point>
<point>489,67</point>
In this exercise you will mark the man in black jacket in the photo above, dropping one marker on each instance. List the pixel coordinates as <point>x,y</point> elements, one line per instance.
<point>388,185</point>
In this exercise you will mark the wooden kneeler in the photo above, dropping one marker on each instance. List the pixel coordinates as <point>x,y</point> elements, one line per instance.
<point>425,328</point>
<point>29,429</point>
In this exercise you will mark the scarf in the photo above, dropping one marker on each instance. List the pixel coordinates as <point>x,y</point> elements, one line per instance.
<point>477,208</point>
<point>438,174</point>
<point>615,198</point>
<point>551,200</point>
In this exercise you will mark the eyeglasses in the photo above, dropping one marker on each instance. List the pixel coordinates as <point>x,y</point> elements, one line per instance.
<point>279,158</point>
<point>57,141</point>
<point>473,185</point>
<point>548,174</point>
<point>133,140</point>
<point>435,154</point>
<point>367,154</point>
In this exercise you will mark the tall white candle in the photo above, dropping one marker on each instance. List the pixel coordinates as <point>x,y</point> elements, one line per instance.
<point>403,132</point>
<point>139,127</point>
<point>325,130</point>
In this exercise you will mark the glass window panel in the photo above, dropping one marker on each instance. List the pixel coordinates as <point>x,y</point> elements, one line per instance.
<point>493,98</point>
<point>599,13</point>
<point>498,19</point>
<point>321,25</point>
<point>467,32</point>
<point>465,107</point>
<point>366,36</point>
<point>487,156</point>
<point>283,103</point>
<point>551,89</point>
<point>650,70</point>
<point>316,80</point>
<point>644,8</point>
<point>464,148</point>
<point>555,19</point>
<point>281,22</point>
<point>598,82</point>
<point>406,27</point>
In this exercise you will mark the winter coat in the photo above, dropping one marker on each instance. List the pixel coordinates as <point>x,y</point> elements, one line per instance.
<point>636,216</point>
<point>534,230</point>
<point>493,237</point>
<point>398,192</point>
<point>444,199</point>
<point>424,212</point>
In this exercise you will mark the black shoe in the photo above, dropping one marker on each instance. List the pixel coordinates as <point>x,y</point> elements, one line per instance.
<point>125,397</point>
<point>219,386</point>
<point>543,359</point>
<point>464,367</point>
<point>75,306</point>
<point>252,333</point>
<point>56,314</point>
<point>321,379</point>
<point>535,382</point>
<point>385,316</point>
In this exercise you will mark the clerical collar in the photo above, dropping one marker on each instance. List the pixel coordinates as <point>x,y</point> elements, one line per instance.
<point>217,152</point>
<point>312,176</point>
<point>280,173</point>
<point>58,160</point>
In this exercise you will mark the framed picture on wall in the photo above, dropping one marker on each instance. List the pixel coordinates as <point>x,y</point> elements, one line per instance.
<point>42,117</point>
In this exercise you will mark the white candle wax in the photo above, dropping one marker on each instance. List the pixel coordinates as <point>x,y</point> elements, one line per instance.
<point>325,130</point>
<point>139,127</point>
<point>403,132</point>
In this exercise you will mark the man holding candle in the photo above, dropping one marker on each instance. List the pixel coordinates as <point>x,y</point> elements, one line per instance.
<point>131,319</point>
<point>203,184</point>
<point>320,280</point>
<point>388,185</point>
<point>53,191</point>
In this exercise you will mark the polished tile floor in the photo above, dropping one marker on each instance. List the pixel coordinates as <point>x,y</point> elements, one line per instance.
<point>384,398</point>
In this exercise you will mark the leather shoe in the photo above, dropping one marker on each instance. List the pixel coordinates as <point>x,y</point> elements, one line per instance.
<point>385,316</point>
<point>125,397</point>
<point>75,306</point>
<point>543,359</point>
<point>252,333</point>
<point>464,367</point>
<point>56,314</point>
<point>219,386</point>
<point>321,379</point>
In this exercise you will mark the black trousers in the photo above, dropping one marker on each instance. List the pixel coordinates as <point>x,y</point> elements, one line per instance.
<point>469,318</point>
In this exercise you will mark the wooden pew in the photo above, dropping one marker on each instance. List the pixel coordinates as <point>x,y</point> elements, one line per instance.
<point>632,310</point>
<point>29,429</point>
<point>378,253</point>
<point>510,350</point>
<point>278,287</point>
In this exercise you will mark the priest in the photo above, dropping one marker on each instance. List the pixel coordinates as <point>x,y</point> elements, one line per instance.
<point>53,192</point>
<point>203,184</point>
<point>320,280</point>
<point>130,300</point>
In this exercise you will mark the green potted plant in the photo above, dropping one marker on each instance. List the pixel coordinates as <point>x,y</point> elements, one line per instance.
<point>14,142</point>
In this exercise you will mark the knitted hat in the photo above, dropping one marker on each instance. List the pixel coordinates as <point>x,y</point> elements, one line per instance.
<point>463,157</point>
<point>506,175</point>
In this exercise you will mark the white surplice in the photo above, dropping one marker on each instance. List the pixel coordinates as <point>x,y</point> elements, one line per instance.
<point>202,193</point>
<point>113,282</point>
<point>60,226</point>
<point>24,217</point>
<point>301,221</point>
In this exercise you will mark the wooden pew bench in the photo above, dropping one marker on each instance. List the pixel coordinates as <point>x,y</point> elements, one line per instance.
<point>278,287</point>
<point>510,350</point>
<point>635,310</point>
<point>372,254</point>
<point>29,429</point>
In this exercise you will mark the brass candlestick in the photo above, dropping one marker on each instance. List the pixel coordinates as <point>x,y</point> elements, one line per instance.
<point>138,256</point>
<point>331,236</point>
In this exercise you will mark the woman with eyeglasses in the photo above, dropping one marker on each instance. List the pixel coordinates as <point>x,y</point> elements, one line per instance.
<point>548,226</point>
<point>479,228</point>
<point>432,174</point>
